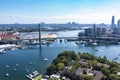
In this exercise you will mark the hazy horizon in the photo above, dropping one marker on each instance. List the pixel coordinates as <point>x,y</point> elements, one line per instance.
<point>58,11</point>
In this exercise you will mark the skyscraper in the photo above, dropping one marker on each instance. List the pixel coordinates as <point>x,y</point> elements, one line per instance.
<point>94,30</point>
<point>118,25</point>
<point>112,23</point>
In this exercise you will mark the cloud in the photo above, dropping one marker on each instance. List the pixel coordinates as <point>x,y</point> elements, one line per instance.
<point>85,16</point>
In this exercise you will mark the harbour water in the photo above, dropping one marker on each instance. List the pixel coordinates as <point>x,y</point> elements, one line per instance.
<point>19,63</point>
<point>72,33</point>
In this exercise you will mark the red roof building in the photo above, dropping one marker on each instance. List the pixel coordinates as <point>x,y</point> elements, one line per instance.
<point>8,36</point>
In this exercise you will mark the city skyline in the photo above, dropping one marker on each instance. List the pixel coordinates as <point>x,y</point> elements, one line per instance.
<point>59,11</point>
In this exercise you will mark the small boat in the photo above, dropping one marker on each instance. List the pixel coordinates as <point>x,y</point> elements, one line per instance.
<point>7,66</point>
<point>94,44</point>
<point>45,59</point>
<point>7,74</point>
<point>77,43</point>
<point>34,63</point>
<point>13,48</point>
<point>30,63</point>
<point>35,73</point>
<point>17,64</point>
<point>96,50</point>
<point>29,76</point>
<point>2,51</point>
<point>27,70</point>
<point>14,69</point>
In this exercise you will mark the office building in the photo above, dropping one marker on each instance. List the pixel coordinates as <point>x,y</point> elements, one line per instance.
<point>113,23</point>
<point>118,24</point>
<point>95,32</point>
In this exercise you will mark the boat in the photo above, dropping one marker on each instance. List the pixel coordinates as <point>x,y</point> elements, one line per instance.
<point>96,50</point>
<point>31,76</point>
<point>27,70</point>
<point>30,63</point>
<point>45,59</point>
<point>14,69</point>
<point>7,74</point>
<point>95,44</point>
<point>35,73</point>
<point>17,64</point>
<point>34,63</point>
<point>13,48</point>
<point>2,51</point>
<point>7,66</point>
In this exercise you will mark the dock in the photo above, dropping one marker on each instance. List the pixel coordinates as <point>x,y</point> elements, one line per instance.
<point>34,75</point>
<point>39,77</point>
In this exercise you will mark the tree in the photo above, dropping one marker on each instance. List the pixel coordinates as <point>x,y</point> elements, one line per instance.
<point>105,71</point>
<point>51,69</point>
<point>60,66</point>
<point>76,64</point>
<point>113,77</point>
<point>87,77</point>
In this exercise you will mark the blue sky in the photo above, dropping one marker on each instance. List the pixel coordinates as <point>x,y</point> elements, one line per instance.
<point>59,11</point>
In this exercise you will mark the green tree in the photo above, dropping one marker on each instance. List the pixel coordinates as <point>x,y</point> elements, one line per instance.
<point>105,71</point>
<point>51,69</point>
<point>87,77</point>
<point>76,64</point>
<point>60,66</point>
<point>113,77</point>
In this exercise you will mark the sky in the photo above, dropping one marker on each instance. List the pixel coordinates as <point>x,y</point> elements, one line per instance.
<point>59,11</point>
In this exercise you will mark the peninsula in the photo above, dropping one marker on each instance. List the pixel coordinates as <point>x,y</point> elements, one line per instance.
<point>70,65</point>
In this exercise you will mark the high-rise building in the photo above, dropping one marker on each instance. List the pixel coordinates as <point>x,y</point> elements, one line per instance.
<point>113,23</point>
<point>95,32</point>
<point>118,24</point>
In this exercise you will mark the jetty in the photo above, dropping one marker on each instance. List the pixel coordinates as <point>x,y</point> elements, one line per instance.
<point>33,75</point>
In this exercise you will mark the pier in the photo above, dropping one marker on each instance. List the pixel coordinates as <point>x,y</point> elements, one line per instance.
<point>33,75</point>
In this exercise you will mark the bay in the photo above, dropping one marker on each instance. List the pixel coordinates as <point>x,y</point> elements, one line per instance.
<point>28,60</point>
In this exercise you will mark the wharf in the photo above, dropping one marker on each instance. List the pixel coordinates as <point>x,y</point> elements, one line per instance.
<point>39,77</point>
<point>34,76</point>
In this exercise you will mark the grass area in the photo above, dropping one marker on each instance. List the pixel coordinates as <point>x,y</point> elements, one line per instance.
<point>39,77</point>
